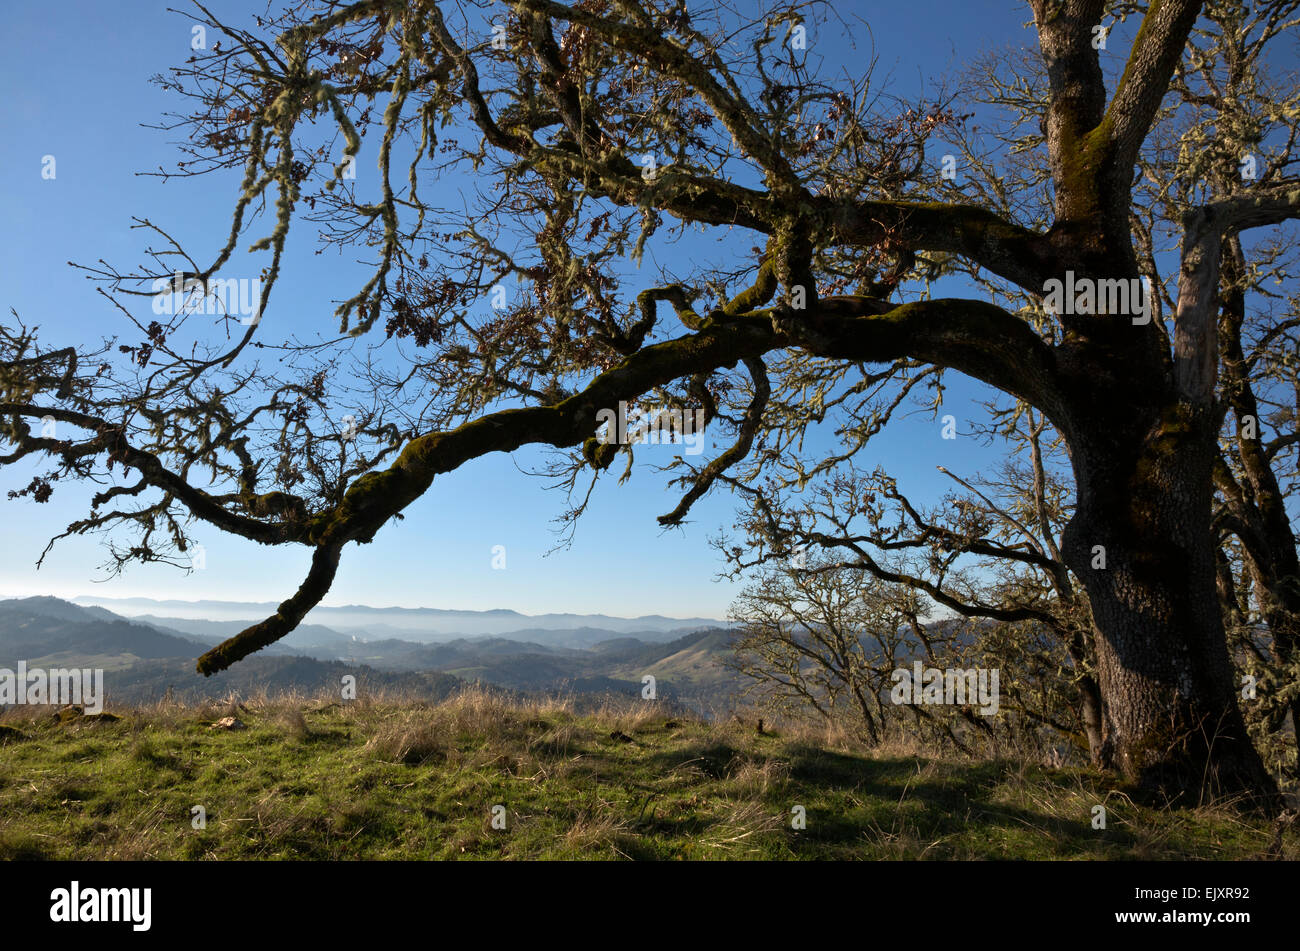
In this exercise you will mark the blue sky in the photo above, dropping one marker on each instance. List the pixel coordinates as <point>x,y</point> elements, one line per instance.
<point>78,90</point>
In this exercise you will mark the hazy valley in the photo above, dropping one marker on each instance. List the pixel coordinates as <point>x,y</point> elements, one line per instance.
<point>423,652</point>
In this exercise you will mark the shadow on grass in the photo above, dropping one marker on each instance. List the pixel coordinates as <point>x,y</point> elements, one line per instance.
<point>849,799</point>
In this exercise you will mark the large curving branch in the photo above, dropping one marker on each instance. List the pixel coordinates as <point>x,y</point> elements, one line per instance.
<point>324,565</point>
<point>973,337</point>
<point>1021,255</point>
<point>1076,91</point>
<point>1156,52</point>
<point>109,437</point>
<point>1196,340</point>
<point>682,64</point>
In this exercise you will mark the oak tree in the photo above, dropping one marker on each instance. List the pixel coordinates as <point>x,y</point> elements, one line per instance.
<point>578,133</point>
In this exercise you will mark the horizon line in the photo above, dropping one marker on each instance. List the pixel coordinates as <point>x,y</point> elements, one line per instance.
<point>368,607</point>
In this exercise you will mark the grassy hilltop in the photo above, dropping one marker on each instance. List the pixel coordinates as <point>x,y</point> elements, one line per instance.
<point>392,778</point>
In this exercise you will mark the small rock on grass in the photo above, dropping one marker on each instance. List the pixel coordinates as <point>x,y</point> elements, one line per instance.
<point>75,712</point>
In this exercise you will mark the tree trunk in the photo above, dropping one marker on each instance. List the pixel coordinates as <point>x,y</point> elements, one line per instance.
<point>1090,705</point>
<point>1141,543</point>
<point>1280,608</point>
<point>1257,503</point>
<point>1090,712</point>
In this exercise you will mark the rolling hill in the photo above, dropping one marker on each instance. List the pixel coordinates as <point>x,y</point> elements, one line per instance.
<point>153,656</point>
<point>143,663</point>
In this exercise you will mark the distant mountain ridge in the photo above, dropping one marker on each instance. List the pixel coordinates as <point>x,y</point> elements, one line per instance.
<point>143,662</point>
<point>39,629</point>
<point>148,657</point>
<point>410,623</point>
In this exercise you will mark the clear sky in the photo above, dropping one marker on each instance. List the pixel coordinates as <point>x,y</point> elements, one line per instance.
<point>76,77</point>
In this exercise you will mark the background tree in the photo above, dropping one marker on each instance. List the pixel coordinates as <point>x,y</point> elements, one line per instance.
<point>825,642</point>
<point>1225,153</point>
<point>987,554</point>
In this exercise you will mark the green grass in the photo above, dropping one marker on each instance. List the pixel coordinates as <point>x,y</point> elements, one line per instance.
<point>402,780</point>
